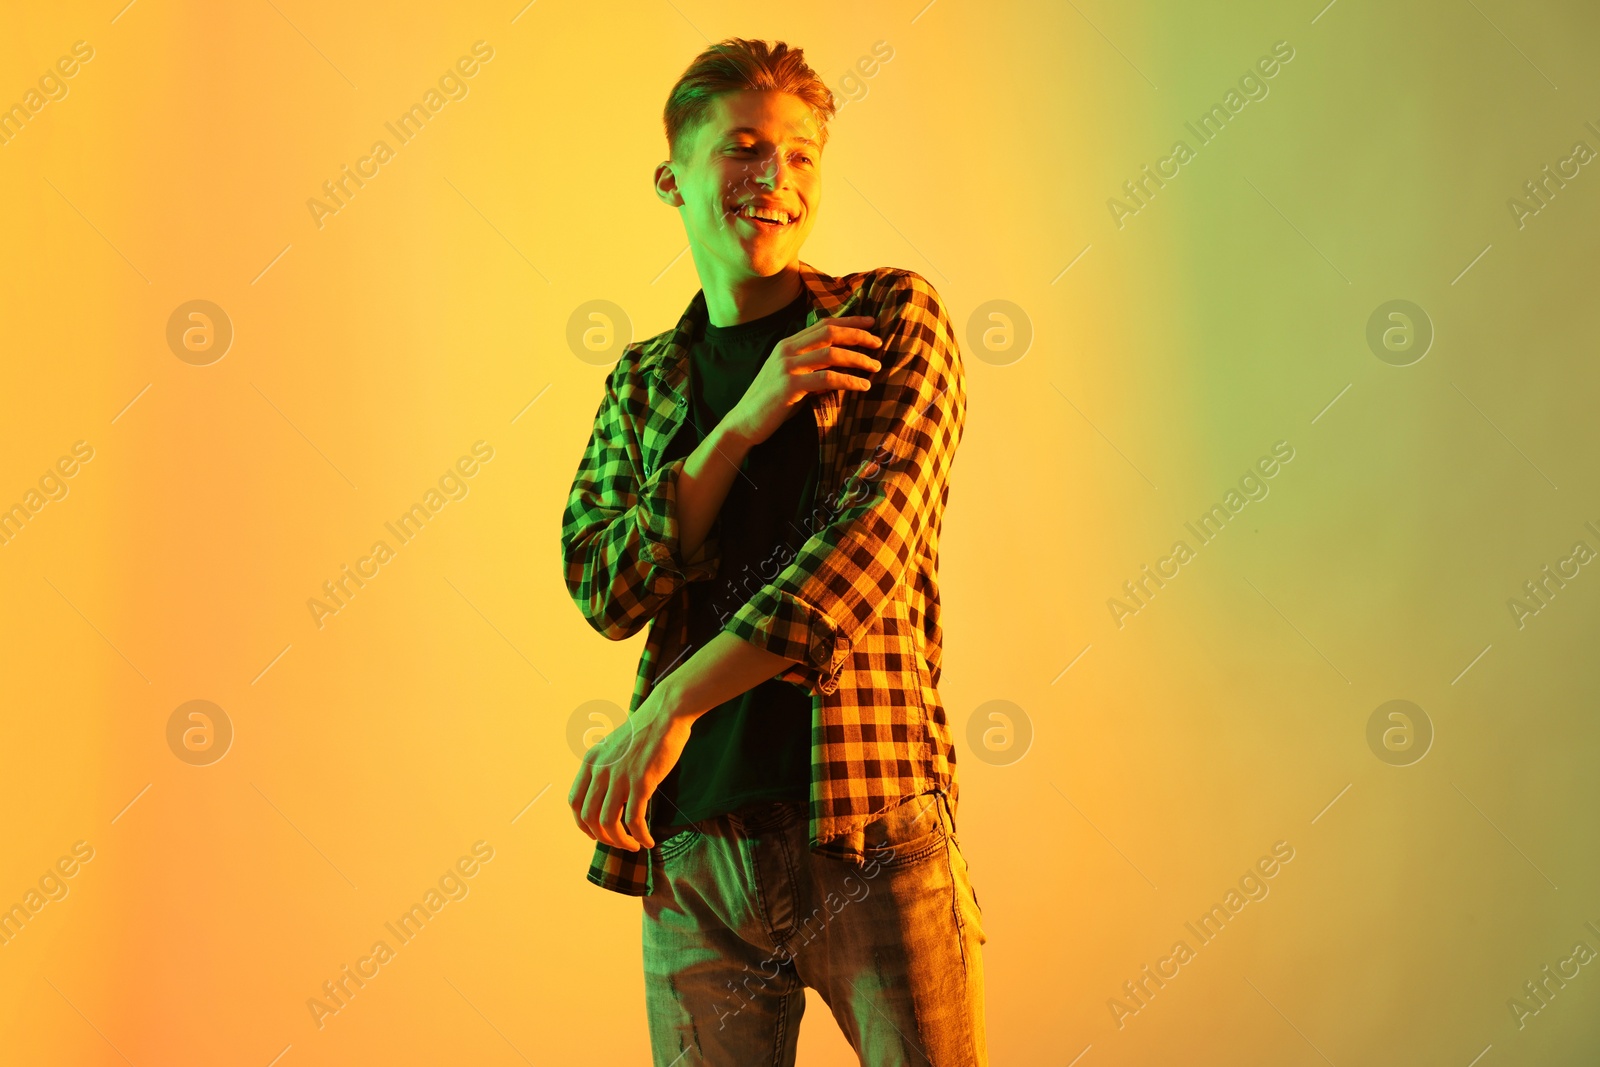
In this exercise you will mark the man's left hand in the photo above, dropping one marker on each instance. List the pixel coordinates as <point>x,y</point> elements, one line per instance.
<point>617,776</point>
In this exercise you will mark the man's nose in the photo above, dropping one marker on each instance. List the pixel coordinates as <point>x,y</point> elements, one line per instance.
<point>769,170</point>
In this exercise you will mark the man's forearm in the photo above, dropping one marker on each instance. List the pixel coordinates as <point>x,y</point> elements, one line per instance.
<point>703,485</point>
<point>716,672</point>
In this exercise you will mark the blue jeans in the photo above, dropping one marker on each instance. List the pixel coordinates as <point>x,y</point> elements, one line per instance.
<point>744,916</point>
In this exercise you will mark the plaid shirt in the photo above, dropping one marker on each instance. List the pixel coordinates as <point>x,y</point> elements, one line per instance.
<point>857,607</point>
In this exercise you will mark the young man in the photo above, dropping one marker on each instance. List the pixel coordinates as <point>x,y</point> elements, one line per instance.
<point>764,486</point>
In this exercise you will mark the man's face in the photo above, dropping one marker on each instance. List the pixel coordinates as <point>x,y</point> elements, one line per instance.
<point>754,149</point>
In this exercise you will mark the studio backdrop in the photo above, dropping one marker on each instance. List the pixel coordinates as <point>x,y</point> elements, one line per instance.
<point>1268,564</point>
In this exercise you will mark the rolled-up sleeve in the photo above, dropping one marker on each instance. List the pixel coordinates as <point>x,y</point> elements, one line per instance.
<point>899,440</point>
<point>619,533</point>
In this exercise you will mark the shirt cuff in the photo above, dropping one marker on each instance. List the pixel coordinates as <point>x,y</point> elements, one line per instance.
<point>787,626</point>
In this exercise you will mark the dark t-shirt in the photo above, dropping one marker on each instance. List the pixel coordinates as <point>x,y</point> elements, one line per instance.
<point>756,746</point>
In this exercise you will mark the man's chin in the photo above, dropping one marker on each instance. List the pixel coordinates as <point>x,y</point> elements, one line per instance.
<point>764,263</point>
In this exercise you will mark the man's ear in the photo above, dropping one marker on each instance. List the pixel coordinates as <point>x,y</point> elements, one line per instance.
<point>666,183</point>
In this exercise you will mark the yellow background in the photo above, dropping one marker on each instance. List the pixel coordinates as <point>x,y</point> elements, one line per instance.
<point>369,354</point>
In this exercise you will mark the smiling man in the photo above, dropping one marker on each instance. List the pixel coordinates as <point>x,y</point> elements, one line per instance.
<point>764,487</point>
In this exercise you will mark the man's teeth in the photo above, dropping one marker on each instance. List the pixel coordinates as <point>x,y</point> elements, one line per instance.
<point>779,217</point>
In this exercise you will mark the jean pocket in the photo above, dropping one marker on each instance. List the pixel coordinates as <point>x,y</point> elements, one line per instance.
<point>908,833</point>
<point>677,843</point>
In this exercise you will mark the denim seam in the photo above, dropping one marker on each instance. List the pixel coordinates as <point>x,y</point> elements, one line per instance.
<point>780,1031</point>
<point>747,853</point>
<point>955,888</point>
<point>955,910</point>
<point>781,940</point>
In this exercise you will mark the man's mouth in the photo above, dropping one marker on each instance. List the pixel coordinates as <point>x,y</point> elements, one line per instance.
<point>768,219</point>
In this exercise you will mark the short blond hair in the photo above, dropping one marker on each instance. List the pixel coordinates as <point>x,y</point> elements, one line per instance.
<point>736,64</point>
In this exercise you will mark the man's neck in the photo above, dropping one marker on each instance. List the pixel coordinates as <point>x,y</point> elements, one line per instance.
<point>730,303</point>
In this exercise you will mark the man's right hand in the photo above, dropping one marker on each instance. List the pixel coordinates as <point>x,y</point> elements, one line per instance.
<point>799,366</point>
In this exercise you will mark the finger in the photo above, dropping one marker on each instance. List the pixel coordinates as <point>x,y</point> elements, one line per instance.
<point>820,381</point>
<point>825,358</point>
<point>801,343</point>
<point>853,335</point>
<point>579,794</point>
<point>633,817</point>
<point>594,801</point>
<point>611,814</point>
